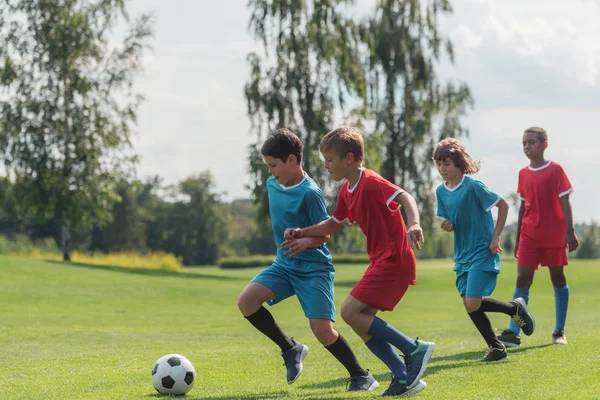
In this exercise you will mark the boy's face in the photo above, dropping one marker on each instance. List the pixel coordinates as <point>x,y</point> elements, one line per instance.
<point>336,165</point>
<point>533,147</point>
<point>281,171</point>
<point>448,170</point>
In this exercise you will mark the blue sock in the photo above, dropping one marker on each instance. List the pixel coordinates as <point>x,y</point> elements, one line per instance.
<point>383,331</point>
<point>386,353</point>
<point>561,303</point>
<point>524,293</point>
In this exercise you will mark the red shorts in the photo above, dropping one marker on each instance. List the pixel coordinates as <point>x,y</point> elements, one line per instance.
<point>533,257</point>
<point>382,287</point>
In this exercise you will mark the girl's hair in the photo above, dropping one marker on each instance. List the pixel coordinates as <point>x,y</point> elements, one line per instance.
<point>539,133</point>
<point>343,141</point>
<point>452,149</point>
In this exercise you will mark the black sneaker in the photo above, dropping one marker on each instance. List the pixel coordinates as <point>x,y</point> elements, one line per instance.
<point>398,388</point>
<point>558,337</point>
<point>495,354</point>
<point>361,383</point>
<point>523,317</point>
<point>509,338</point>
<point>293,360</point>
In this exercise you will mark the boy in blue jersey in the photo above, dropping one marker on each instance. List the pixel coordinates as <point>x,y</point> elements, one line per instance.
<point>296,200</point>
<point>466,204</point>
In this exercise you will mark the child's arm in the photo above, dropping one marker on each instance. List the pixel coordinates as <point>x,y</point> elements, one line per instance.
<point>571,238</point>
<point>323,228</point>
<point>500,222</point>
<point>519,221</point>
<point>297,246</point>
<point>414,232</point>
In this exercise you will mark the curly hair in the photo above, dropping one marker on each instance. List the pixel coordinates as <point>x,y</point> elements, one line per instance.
<point>540,133</point>
<point>452,149</point>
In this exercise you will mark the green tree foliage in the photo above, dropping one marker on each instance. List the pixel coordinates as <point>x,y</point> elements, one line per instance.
<point>310,66</point>
<point>589,245</point>
<point>68,107</point>
<point>412,108</point>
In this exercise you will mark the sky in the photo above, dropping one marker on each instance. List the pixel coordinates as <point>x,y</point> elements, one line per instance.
<point>534,63</point>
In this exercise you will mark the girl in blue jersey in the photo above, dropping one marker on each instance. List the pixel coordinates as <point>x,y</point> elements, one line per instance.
<point>465,204</point>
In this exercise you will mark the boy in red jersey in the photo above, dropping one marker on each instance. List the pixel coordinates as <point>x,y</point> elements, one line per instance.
<point>544,230</point>
<point>374,203</point>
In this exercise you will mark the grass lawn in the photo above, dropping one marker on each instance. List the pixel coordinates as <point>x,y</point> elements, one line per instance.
<point>93,332</point>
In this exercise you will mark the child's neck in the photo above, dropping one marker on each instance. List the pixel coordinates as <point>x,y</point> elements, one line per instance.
<point>451,184</point>
<point>537,162</point>
<point>295,179</point>
<point>353,176</point>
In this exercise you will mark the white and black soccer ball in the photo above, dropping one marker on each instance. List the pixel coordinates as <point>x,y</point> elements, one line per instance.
<point>173,374</point>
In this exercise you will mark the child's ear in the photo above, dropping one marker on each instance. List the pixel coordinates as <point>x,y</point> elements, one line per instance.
<point>350,159</point>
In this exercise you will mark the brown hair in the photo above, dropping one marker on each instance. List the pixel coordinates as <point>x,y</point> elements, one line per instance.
<point>282,143</point>
<point>540,133</point>
<point>452,149</point>
<point>344,140</point>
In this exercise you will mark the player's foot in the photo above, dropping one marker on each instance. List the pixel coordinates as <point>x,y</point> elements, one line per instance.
<point>558,337</point>
<point>293,360</point>
<point>509,338</point>
<point>361,383</point>
<point>398,388</point>
<point>416,362</point>
<point>495,354</point>
<point>523,317</point>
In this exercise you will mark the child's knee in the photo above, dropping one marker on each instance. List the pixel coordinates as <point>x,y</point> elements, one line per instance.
<point>347,315</point>
<point>323,331</point>
<point>472,304</point>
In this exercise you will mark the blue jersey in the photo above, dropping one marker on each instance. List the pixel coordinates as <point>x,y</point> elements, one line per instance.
<point>298,206</point>
<point>467,207</point>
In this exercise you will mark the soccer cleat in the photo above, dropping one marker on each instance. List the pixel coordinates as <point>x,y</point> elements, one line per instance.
<point>416,362</point>
<point>523,317</point>
<point>361,383</point>
<point>509,338</point>
<point>293,360</point>
<point>558,337</point>
<point>495,354</point>
<point>398,388</point>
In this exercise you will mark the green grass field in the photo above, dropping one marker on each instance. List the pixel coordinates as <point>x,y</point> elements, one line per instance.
<point>92,332</point>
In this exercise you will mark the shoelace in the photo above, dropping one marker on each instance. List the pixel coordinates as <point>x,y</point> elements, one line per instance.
<point>518,320</point>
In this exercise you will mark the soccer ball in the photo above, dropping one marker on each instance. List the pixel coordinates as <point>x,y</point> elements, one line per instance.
<point>173,374</point>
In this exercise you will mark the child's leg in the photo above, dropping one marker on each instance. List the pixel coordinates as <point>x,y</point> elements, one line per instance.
<point>335,343</point>
<point>364,322</point>
<point>250,304</point>
<point>561,296</point>
<point>481,321</point>
<point>524,280</point>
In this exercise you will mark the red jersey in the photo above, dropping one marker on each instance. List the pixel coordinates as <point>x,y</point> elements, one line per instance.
<point>543,224</point>
<point>370,203</point>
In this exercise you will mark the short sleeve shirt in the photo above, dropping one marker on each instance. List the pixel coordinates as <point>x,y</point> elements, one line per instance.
<point>468,208</point>
<point>370,204</point>
<point>543,223</point>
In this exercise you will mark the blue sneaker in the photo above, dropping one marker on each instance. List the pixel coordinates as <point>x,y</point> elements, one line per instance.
<point>398,388</point>
<point>416,362</point>
<point>293,360</point>
<point>361,383</point>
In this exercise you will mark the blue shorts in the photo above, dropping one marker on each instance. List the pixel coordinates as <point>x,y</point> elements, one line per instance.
<point>314,289</point>
<point>476,283</point>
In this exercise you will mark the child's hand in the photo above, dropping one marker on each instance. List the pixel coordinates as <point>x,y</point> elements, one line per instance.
<point>295,246</point>
<point>415,236</point>
<point>292,233</point>
<point>495,246</point>
<point>447,226</point>
<point>571,241</point>
<point>516,250</point>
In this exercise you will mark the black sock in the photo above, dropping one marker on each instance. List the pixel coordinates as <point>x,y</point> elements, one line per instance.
<point>489,304</point>
<point>264,322</point>
<point>342,351</point>
<point>484,326</point>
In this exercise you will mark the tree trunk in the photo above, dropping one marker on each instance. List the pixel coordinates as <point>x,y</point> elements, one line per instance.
<point>65,243</point>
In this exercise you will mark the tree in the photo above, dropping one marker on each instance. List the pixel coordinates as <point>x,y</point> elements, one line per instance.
<point>68,109</point>
<point>311,64</point>
<point>412,109</point>
<point>589,247</point>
